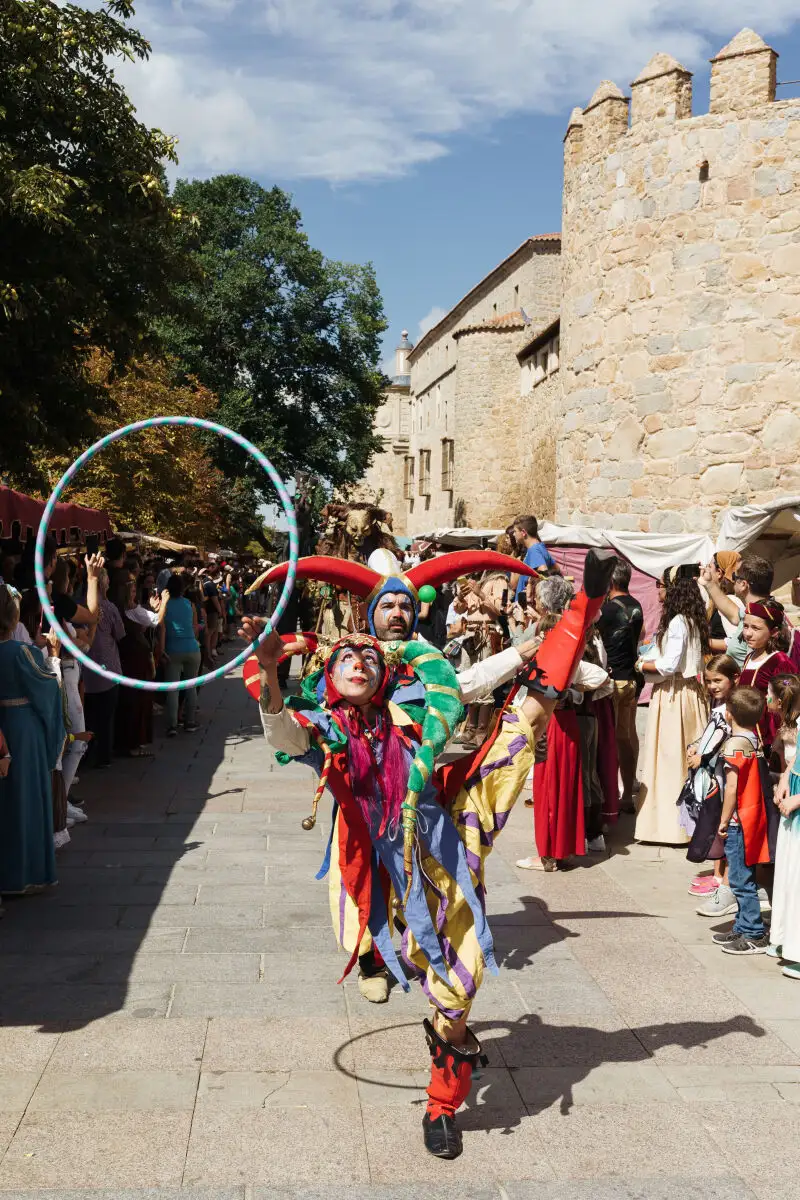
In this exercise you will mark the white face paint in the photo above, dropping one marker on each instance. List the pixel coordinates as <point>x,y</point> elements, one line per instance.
<point>393,617</point>
<point>357,673</point>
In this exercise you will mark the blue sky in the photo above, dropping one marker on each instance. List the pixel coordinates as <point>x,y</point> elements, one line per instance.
<point>423,135</point>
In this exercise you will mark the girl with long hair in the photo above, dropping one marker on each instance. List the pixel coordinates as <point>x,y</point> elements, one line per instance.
<point>678,707</point>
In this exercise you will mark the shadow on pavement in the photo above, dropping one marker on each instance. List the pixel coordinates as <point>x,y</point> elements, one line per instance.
<point>67,955</point>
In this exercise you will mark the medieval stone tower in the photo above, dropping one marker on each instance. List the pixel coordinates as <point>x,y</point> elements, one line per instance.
<point>680,309</point>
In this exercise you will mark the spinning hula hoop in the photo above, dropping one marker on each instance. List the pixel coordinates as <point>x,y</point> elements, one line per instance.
<point>145,685</point>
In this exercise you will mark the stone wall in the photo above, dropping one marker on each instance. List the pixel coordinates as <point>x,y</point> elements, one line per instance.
<point>383,481</point>
<point>465,386</point>
<point>505,441</point>
<point>680,325</point>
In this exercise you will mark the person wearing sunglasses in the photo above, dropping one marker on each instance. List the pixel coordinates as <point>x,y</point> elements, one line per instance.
<point>752,580</point>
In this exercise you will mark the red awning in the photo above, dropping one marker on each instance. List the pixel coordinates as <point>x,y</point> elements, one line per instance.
<point>17,508</point>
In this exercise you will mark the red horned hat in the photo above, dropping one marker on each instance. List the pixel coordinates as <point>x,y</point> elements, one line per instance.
<point>363,581</point>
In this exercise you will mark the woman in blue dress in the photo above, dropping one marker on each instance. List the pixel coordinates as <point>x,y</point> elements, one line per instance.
<point>32,721</point>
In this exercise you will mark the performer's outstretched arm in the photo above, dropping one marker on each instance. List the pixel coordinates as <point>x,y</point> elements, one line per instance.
<point>280,728</point>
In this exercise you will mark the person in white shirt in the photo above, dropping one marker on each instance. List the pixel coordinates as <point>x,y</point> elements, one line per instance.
<point>678,707</point>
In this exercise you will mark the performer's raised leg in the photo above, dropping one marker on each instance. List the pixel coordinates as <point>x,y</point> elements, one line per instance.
<point>562,647</point>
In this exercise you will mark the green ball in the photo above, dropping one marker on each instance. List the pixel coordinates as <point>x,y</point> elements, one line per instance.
<point>427,594</point>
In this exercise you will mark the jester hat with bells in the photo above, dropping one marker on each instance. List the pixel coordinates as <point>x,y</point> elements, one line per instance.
<point>418,680</point>
<point>385,576</point>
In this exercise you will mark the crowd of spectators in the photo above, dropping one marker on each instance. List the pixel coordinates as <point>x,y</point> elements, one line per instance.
<point>720,674</point>
<point>145,618</point>
<point>720,678</point>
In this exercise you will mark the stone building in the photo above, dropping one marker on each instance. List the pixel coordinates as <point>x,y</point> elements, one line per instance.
<point>383,481</point>
<point>648,376</point>
<point>680,310</point>
<point>471,425</point>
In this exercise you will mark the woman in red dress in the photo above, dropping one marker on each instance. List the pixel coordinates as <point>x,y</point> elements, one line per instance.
<point>763,624</point>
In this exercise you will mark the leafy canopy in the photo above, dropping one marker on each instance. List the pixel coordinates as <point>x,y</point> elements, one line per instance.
<point>287,339</point>
<point>160,480</point>
<point>88,246</point>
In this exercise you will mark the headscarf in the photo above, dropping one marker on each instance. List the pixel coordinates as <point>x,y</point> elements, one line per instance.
<point>771,611</point>
<point>728,562</point>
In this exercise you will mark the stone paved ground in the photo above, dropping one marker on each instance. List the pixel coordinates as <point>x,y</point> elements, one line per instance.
<point>170,1023</point>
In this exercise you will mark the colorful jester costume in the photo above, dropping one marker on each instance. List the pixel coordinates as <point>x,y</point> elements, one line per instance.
<point>422,860</point>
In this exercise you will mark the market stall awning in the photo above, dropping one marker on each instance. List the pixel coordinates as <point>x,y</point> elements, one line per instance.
<point>771,530</point>
<point>160,543</point>
<point>18,509</point>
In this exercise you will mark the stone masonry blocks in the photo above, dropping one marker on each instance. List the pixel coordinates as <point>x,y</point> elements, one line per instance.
<point>687,360</point>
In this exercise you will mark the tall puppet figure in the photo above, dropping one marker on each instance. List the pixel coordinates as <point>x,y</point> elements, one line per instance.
<point>413,839</point>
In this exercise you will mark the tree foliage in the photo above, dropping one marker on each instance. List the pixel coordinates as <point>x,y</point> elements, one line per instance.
<point>162,480</point>
<point>287,339</point>
<point>88,235</point>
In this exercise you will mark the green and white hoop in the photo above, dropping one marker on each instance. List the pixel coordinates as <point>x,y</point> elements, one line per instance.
<point>145,685</point>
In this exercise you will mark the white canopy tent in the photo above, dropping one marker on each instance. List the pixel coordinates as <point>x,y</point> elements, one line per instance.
<point>771,530</point>
<point>650,553</point>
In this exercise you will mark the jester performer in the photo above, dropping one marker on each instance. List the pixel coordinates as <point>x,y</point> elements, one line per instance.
<point>412,839</point>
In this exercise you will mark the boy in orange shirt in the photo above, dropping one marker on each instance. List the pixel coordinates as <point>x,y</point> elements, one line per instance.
<point>745,825</point>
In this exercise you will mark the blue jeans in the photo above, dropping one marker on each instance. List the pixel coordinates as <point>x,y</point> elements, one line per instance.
<point>181,665</point>
<point>742,881</point>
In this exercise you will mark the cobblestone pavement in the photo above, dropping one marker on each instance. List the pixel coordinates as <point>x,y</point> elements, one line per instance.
<point>171,1026</point>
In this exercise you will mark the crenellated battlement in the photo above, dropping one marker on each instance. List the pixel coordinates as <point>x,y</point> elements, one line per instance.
<point>680,311</point>
<point>743,77</point>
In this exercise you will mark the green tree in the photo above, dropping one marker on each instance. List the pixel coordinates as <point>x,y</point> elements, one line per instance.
<point>288,340</point>
<point>161,480</point>
<point>88,239</point>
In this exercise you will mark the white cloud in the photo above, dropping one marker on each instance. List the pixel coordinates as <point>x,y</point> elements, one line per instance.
<point>432,318</point>
<point>349,90</point>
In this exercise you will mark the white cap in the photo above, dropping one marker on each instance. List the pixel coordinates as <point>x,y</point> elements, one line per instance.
<point>384,562</point>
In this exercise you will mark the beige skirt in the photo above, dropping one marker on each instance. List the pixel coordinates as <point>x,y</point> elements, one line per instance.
<point>678,715</point>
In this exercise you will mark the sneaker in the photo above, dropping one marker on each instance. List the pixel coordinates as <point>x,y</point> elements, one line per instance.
<point>723,939</point>
<point>596,845</point>
<point>61,839</point>
<point>745,945</point>
<point>713,880</point>
<point>75,815</point>
<point>703,888</point>
<point>791,971</point>
<point>192,727</point>
<point>763,900</point>
<point>172,731</point>
<point>775,951</point>
<point>721,903</point>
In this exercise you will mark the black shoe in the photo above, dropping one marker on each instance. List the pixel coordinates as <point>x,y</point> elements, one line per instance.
<point>747,945</point>
<point>172,731</point>
<point>442,1137</point>
<point>724,939</point>
<point>597,571</point>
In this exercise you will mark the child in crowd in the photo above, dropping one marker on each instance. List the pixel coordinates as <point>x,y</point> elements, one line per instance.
<point>747,825</point>
<point>784,696</point>
<point>783,701</point>
<point>700,801</point>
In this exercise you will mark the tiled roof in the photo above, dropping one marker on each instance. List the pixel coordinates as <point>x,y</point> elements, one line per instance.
<point>553,239</point>
<point>517,319</point>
